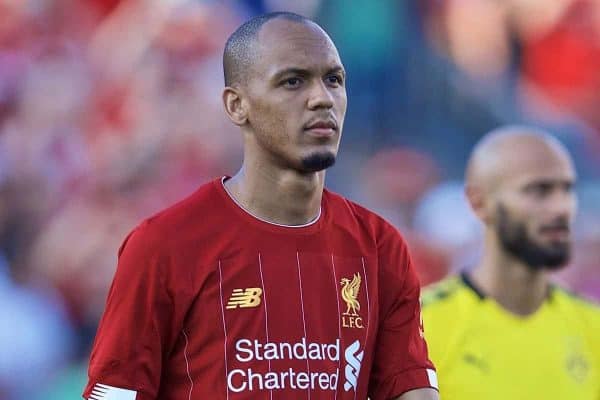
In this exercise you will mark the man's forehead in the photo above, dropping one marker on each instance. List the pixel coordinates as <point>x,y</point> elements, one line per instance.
<point>550,177</point>
<point>285,30</point>
<point>517,155</point>
<point>550,167</point>
<point>544,156</point>
<point>289,44</point>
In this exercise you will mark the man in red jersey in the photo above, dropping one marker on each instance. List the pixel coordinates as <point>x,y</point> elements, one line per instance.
<point>264,285</point>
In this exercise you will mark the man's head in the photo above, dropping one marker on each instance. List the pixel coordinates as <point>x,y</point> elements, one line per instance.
<point>285,87</point>
<point>519,182</point>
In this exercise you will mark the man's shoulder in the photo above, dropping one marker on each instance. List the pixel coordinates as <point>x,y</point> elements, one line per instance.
<point>445,306</point>
<point>192,213</point>
<point>337,200</point>
<point>203,202</point>
<point>446,292</point>
<point>577,303</point>
<point>344,209</point>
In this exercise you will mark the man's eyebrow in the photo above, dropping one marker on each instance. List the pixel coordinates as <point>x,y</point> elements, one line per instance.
<point>290,71</point>
<point>304,72</point>
<point>336,69</point>
<point>571,181</point>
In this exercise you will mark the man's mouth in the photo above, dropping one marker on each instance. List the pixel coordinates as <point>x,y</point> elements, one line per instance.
<point>323,128</point>
<point>557,232</point>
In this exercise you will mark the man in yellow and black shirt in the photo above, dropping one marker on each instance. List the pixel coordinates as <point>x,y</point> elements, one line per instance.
<point>503,331</point>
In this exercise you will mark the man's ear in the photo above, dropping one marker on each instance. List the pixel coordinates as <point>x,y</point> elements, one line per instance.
<point>235,106</point>
<point>480,203</point>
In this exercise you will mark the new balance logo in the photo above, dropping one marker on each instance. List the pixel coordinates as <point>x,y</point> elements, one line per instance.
<point>353,360</point>
<point>244,298</point>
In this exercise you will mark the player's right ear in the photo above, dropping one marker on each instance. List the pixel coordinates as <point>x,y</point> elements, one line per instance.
<point>477,200</point>
<point>235,107</point>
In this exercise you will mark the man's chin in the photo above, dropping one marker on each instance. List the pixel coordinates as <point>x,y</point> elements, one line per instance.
<point>318,161</point>
<point>554,257</point>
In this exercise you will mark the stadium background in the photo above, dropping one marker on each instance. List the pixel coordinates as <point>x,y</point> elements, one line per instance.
<point>110,110</point>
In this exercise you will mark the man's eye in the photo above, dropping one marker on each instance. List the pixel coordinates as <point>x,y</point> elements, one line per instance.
<point>569,187</point>
<point>539,190</point>
<point>292,82</point>
<point>335,80</point>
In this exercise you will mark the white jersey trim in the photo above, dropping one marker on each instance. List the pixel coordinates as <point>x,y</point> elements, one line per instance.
<point>303,317</point>
<point>224,328</point>
<point>368,306</point>
<point>106,392</point>
<point>337,298</point>
<point>262,282</point>
<point>314,221</point>
<point>187,364</point>
<point>432,376</point>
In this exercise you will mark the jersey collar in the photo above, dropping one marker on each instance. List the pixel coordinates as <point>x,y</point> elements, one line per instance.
<point>466,280</point>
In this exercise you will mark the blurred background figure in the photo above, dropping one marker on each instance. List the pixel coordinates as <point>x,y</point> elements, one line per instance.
<point>110,110</point>
<point>504,330</point>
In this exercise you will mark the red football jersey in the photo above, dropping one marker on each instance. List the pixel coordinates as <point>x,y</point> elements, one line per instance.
<point>210,302</point>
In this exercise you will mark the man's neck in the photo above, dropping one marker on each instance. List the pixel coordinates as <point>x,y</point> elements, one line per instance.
<point>281,197</point>
<point>515,286</point>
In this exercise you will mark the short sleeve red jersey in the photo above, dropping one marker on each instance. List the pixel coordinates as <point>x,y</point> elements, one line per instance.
<point>209,302</point>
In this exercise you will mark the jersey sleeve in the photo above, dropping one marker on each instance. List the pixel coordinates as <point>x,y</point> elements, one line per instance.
<point>135,332</point>
<point>401,361</point>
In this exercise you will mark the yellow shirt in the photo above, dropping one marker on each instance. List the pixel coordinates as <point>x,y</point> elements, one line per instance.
<point>481,351</point>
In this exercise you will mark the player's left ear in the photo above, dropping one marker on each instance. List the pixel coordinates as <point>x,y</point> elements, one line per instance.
<point>235,106</point>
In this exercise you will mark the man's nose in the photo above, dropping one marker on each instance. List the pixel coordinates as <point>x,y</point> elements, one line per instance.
<point>562,204</point>
<point>320,96</point>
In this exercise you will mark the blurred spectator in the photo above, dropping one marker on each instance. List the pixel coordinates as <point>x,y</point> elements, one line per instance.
<point>561,63</point>
<point>393,181</point>
<point>36,336</point>
<point>583,276</point>
<point>444,217</point>
<point>548,52</point>
<point>82,266</point>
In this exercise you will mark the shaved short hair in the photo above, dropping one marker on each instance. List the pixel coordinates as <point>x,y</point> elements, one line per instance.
<point>239,53</point>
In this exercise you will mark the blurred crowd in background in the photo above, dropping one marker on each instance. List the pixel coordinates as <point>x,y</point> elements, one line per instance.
<point>110,110</point>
